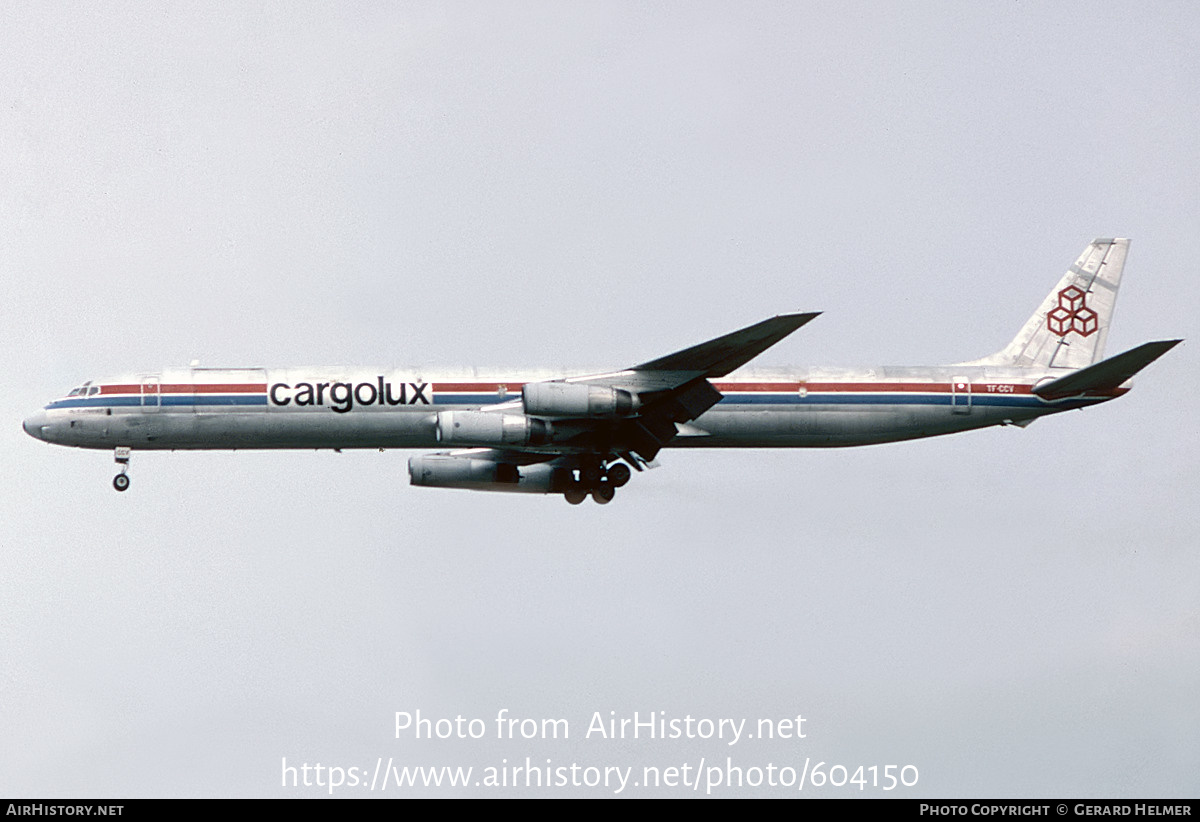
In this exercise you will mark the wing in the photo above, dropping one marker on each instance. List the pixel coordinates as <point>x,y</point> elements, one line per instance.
<point>637,410</point>
<point>567,435</point>
<point>673,390</point>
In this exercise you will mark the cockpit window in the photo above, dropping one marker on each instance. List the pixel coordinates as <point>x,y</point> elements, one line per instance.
<point>85,390</point>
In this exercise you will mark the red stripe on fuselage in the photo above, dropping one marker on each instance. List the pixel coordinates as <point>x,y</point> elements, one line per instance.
<point>977,386</point>
<point>780,387</point>
<point>175,388</point>
<point>874,387</point>
<point>478,387</point>
<point>758,386</point>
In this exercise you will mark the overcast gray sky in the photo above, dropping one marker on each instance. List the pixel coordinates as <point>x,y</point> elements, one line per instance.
<point>1012,612</point>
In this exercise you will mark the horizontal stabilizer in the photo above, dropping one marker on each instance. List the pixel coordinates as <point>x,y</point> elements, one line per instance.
<point>718,357</point>
<point>1106,374</point>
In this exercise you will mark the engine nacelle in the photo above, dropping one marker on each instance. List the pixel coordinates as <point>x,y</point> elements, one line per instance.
<point>568,399</point>
<point>447,471</point>
<point>482,428</point>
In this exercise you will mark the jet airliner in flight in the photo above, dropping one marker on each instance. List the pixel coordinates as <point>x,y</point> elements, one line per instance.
<point>584,435</point>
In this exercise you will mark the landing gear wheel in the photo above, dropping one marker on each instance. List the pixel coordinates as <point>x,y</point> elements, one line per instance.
<point>619,474</point>
<point>590,474</point>
<point>121,457</point>
<point>604,493</point>
<point>575,495</point>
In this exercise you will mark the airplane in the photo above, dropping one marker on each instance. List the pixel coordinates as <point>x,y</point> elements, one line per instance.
<point>585,435</point>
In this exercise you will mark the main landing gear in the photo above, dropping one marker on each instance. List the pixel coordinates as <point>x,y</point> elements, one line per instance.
<point>121,480</point>
<point>598,480</point>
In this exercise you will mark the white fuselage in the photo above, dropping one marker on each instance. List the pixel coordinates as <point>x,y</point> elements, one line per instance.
<point>386,408</point>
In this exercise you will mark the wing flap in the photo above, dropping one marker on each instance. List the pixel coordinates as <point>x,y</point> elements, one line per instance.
<point>656,425</point>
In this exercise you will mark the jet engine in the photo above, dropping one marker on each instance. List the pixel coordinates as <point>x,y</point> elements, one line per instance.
<point>448,471</point>
<point>566,399</point>
<point>483,428</point>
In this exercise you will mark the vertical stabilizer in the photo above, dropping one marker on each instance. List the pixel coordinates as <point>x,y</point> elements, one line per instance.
<point>1071,325</point>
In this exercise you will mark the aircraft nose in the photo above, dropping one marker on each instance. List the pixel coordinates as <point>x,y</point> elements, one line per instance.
<point>33,425</point>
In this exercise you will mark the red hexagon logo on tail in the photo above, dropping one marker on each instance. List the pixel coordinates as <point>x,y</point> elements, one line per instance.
<point>1072,314</point>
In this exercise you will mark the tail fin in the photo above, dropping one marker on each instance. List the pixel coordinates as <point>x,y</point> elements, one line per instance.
<point>1071,325</point>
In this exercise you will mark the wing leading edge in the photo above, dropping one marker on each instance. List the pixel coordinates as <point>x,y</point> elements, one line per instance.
<point>718,357</point>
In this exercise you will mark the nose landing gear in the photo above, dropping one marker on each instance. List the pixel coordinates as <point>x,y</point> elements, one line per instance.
<point>121,480</point>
